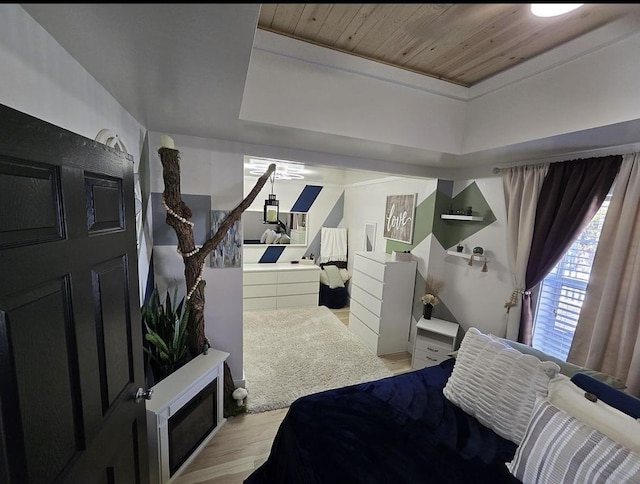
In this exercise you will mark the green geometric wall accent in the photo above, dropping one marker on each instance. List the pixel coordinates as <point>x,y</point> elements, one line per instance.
<point>449,232</point>
<point>427,214</point>
<point>422,225</point>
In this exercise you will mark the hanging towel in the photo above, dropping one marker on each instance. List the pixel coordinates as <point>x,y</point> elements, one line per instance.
<point>333,245</point>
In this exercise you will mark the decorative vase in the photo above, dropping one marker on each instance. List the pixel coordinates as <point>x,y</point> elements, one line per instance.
<point>426,312</point>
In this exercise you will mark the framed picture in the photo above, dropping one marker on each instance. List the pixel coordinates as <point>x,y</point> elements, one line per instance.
<point>228,253</point>
<point>370,237</point>
<point>398,218</point>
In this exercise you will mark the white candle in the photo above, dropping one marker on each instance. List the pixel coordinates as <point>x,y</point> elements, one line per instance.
<point>272,214</point>
<point>166,142</point>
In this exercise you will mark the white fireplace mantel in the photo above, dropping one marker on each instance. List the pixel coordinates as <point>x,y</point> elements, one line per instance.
<point>169,396</point>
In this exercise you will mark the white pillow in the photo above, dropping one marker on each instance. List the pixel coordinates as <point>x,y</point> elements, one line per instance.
<point>333,276</point>
<point>345,275</point>
<point>619,426</point>
<point>324,278</point>
<point>497,384</point>
<point>558,448</point>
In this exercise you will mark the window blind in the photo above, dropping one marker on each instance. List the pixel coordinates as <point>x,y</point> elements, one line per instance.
<point>562,291</point>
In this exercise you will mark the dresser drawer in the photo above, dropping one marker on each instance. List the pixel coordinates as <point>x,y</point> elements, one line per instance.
<point>253,278</point>
<point>369,284</point>
<point>300,288</point>
<point>366,316</point>
<point>424,361</point>
<point>369,267</point>
<point>258,291</point>
<point>299,300</point>
<point>365,299</point>
<point>423,355</point>
<point>254,303</point>
<point>292,276</point>
<point>362,331</point>
<point>434,348</point>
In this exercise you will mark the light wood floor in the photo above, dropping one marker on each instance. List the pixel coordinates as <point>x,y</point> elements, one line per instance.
<point>243,443</point>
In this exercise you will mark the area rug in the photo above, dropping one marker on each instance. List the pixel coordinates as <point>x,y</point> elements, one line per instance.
<point>289,353</point>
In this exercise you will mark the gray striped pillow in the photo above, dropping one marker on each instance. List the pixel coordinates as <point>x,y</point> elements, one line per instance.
<point>560,449</point>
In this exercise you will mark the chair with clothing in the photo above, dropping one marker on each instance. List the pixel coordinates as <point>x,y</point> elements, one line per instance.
<point>334,276</point>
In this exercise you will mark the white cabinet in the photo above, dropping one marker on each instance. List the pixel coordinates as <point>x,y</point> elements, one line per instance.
<point>381,301</point>
<point>279,285</point>
<point>435,339</point>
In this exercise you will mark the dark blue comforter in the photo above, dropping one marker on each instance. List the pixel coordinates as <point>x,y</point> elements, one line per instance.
<point>396,430</point>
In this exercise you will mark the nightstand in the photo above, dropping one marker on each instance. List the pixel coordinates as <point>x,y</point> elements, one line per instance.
<point>435,339</point>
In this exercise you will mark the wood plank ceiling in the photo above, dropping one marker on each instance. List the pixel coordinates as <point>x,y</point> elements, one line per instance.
<point>455,42</point>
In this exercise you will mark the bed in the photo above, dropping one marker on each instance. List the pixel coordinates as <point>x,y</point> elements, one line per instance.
<point>487,416</point>
<point>326,437</point>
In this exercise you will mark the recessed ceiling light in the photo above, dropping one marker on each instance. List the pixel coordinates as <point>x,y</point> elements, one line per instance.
<point>553,9</point>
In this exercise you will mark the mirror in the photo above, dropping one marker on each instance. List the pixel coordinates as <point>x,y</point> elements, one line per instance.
<point>290,229</point>
<point>369,237</point>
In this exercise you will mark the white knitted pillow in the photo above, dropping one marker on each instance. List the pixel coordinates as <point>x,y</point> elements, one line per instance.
<point>497,384</point>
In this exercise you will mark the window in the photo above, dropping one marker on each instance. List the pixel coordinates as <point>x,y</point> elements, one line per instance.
<point>562,291</point>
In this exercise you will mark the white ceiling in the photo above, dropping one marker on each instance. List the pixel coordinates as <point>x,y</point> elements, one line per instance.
<point>181,68</point>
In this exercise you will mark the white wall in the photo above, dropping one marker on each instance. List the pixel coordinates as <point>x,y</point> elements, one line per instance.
<point>365,203</point>
<point>595,90</point>
<point>477,298</point>
<point>292,83</point>
<point>288,91</point>
<point>474,298</point>
<point>41,79</point>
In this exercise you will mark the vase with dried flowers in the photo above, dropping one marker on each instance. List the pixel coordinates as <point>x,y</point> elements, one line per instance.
<point>430,299</point>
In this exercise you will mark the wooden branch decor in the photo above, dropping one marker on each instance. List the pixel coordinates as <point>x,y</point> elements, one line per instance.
<point>178,217</point>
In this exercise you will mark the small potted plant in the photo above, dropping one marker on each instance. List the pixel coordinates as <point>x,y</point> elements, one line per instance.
<point>430,299</point>
<point>166,333</point>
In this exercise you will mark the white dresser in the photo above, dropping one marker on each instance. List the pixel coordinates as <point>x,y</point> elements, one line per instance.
<point>279,285</point>
<point>381,301</point>
<point>435,339</point>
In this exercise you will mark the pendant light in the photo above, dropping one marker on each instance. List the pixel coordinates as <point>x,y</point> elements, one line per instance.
<point>271,206</point>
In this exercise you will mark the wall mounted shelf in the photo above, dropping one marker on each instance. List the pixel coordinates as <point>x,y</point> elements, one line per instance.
<point>467,255</point>
<point>468,218</point>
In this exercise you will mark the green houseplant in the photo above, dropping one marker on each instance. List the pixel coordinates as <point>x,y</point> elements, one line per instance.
<point>166,333</point>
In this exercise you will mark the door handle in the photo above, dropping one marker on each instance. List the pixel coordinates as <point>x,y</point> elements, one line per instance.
<point>143,395</point>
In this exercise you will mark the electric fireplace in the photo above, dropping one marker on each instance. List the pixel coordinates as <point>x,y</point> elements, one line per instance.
<point>184,413</point>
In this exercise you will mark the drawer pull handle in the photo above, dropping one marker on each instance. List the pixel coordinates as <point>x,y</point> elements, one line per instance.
<point>431,359</point>
<point>432,349</point>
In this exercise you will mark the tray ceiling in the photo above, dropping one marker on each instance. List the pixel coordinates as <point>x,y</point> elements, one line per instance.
<point>455,42</point>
